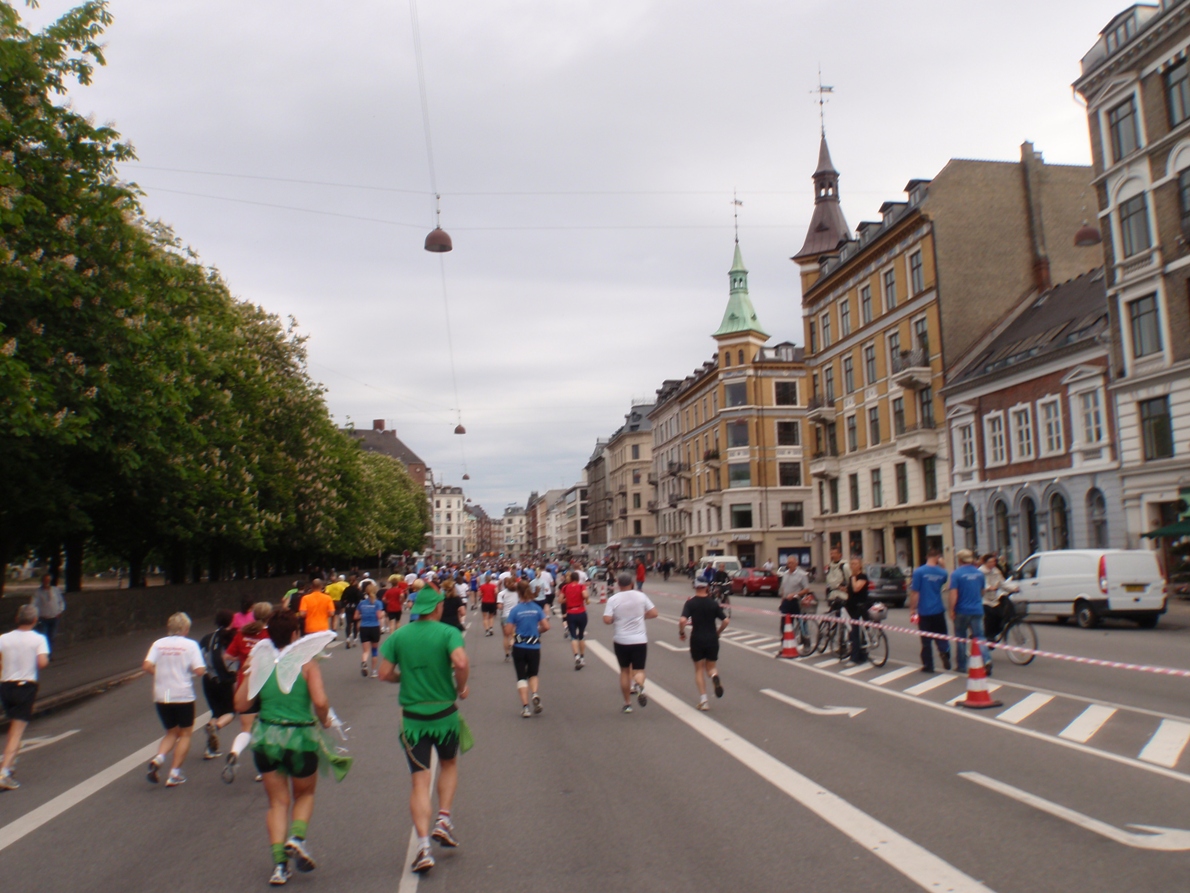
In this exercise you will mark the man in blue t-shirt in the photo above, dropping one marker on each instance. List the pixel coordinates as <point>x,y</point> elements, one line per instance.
<point>928,610</point>
<point>525,623</point>
<point>966,607</point>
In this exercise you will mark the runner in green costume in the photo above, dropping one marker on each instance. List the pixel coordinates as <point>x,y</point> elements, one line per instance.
<point>428,659</point>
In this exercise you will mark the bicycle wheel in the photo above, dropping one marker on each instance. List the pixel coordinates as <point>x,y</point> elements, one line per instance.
<point>1020,634</point>
<point>843,648</point>
<point>825,638</point>
<point>877,647</point>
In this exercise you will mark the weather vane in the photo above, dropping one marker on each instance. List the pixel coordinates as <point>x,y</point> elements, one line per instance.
<point>822,100</point>
<point>736,214</point>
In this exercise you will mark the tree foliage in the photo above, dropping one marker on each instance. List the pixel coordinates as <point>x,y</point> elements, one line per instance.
<point>141,404</point>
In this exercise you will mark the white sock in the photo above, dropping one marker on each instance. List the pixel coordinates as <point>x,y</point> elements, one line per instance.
<point>159,760</point>
<point>703,697</point>
<point>423,843</point>
<point>241,741</point>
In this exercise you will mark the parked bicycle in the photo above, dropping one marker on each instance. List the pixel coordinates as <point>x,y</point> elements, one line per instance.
<point>834,636</point>
<point>1016,631</point>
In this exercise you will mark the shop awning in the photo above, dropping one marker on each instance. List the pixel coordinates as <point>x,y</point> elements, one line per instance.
<point>1175,530</point>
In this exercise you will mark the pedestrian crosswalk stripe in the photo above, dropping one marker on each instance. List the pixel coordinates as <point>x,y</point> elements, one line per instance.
<point>893,676</point>
<point>929,685</point>
<point>1024,708</point>
<point>752,640</point>
<point>1087,723</point>
<point>828,662</point>
<point>1166,746</point>
<point>856,670</point>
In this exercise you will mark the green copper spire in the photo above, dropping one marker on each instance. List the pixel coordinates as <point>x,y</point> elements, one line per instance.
<point>739,316</point>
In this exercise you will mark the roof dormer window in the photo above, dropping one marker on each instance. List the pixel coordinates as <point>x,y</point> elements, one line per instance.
<point>1120,33</point>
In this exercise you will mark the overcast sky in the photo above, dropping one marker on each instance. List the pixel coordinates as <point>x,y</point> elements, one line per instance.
<point>586,151</point>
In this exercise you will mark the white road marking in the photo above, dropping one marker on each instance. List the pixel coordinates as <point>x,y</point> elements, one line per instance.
<point>810,708</point>
<point>409,877</point>
<point>856,670</point>
<point>50,810</point>
<point>1087,723</point>
<point>44,741</point>
<point>754,641</point>
<point>893,676</point>
<point>830,661</point>
<point>1156,838</point>
<point>1025,708</point>
<point>667,646</point>
<point>1166,746</point>
<point>910,859</point>
<point>992,686</point>
<point>930,684</point>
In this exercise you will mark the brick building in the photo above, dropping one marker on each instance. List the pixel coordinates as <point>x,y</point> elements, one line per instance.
<point>381,439</point>
<point>629,459</point>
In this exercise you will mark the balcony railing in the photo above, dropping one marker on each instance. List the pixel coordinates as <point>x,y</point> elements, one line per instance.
<point>624,513</point>
<point>652,505</point>
<point>677,467</point>
<point>710,456</point>
<point>825,464</point>
<point>911,369</point>
<point>651,477</point>
<point>918,441</point>
<point>819,409</point>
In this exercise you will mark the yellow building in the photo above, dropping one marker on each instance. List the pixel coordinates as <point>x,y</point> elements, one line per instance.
<point>629,457</point>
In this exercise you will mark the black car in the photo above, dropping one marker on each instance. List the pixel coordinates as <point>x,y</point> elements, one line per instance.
<point>887,583</point>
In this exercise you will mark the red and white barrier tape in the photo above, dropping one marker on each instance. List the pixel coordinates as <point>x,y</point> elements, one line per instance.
<point>1072,658</point>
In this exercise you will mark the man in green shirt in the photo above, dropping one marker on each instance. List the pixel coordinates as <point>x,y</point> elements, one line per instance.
<point>428,659</point>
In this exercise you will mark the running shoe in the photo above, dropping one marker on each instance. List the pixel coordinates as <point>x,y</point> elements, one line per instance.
<point>526,712</point>
<point>7,782</point>
<point>212,753</point>
<point>641,697</point>
<point>536,702</point>
<point>174,779</point>
<point>259,778</point>
<point>578,663</point>
<point>627,708</point>
<point>375,674</point>
<point>280,875</point>
<point>507,658</point>
<point>488,632</point>
<point>633,689</point>
<point>154,770</point>
<point>704,705</point>
<point>444,832</point>
<point>229,771</point>
<point>718,685</point>
<point>363,669</point>
<point>295,849</point>
<point>423,861</point>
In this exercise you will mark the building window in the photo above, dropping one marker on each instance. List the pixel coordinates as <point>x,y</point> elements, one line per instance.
<point>894,347</point>
<point>1146,328</point>
<point>822,507</point>
<point>852,434</point>
<point>825,322</point>
<point>636,528</point>
<point>898,409</point>
<point>789,474</point>
<point>1051,427</point>
<point>636,477</point>
<point>1059,522</point>
<point>865,304</point>
<point>1000,524</point>
<point>813,337</point>
<point>921,335</point>
<point>793,514</point>
<point>1121,34</point>
<point>1096,519</point>
<point>1022,427</point>
<point>833,486</point>
<point>828,378</point>
<point>870,363</point>
<point>1029,529</point>
<point>890,289</point>
<point>967,446</point>
<point>877,489</point>
<point>740,357</point>
<point>873,426</point>
<point>636,500</point>
<point>1092,417</point>
<point>969,525</point>
<point>925,407</point>
<point>789,434</point>
<point>1134,226</point>
<point>739,474</point>
<point>1177,90</point>
<point>735,394</point>
<point>786,393</point>
<point>902,474</point>
<point>741,516</point>
<point>848,376</point>
<point>844,318</point>
<point>929,476</point>
<point>1156,428</point>
<point>853,491</point>
<point>1121,122</point>
<point>1184,193</point>
<point>994,437</point>
<point>917,279</point>
<point>636,451</point>
<point>737,434</point>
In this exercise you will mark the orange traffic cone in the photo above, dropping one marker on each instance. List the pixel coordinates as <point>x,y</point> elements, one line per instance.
<point>788,643</point>
<point>977,683</point>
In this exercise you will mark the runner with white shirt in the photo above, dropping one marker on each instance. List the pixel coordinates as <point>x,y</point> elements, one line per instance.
<point>627,611</point>
<point>22,653</point>
<point>174,661</point>
<point>509,597</point>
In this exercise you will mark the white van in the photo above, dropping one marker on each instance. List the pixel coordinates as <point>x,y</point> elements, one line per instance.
<point>1088,584</point>
<point>729,564</point>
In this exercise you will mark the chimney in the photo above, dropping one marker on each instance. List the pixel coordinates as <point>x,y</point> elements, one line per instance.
<point>1032,166</point>
<point>377,424</point>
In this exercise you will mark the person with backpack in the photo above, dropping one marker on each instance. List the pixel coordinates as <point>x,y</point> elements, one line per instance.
<point>218,685</point>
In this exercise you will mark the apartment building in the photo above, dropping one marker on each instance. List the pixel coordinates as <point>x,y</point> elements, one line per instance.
<point>887,312</point>
<point>512,533</point>
<point>629,458</point>
<point>1136,84</point>
<point>599,501</point>
<point>449,516</point>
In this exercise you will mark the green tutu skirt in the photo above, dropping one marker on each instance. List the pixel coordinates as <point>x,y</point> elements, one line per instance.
<point>275,740</point>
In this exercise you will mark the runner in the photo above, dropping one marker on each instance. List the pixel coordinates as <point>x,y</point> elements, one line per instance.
<point>640,575</point>
<point>525,622</point>
<point>367,620</point>
<point>394,601</point>
<point>318,609</point>
<point>218,685</point>
<point>487,603</point>
<point>628,610</point>
<point>287,746</point>
<point>703,613</point>
<point>174,661</point>
<point>335,592</point>
<point>242,617</point>
<point>547,588</point>
<point>430,663</point>
<point>575,599</point>
<point>23,652</point>
<point>509,599</point>
<point>237,653</point>
<point>348,602</point>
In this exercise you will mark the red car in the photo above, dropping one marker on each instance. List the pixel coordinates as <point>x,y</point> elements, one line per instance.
<point>751,581</point>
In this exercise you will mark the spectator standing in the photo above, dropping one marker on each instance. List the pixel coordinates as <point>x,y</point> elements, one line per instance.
<point>928,610</point>
<point>50,605</point>
<point>23,652</point>
<point>794,584</point>
<point>966,607</point>
<point>640,575</point>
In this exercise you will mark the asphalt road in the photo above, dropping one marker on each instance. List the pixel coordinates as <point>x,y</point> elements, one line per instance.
<point>757,794</point>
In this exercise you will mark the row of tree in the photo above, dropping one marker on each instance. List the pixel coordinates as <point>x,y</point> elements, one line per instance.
<point>144,411</point>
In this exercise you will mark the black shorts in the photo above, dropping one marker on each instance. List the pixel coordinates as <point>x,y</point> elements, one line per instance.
<point>369,634</point>
<point>704,649</point>
<point>576,624</point>
<point>526,661</point>
<point>489,607</point>
<point>393,615</point>
<point>176,716</point>
<point>220,696</point>
<point>631,655</point>
<point>18,698</point>
<point>294,763</point>
<point>549,599</point>
<point>418,756</point>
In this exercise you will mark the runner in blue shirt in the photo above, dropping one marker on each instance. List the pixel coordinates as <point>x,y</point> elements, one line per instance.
<point>928,610</point>
<point>525,623</point>
<point>367,615</point>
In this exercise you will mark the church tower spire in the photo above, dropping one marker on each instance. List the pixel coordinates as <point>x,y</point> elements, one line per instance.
<point>740,315</point>
<point>828,228</point>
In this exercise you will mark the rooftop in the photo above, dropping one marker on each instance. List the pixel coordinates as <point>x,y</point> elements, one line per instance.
<point>386,442</point>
